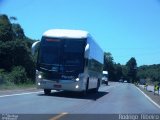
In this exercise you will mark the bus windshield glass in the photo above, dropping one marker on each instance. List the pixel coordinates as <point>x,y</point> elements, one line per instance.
<point>73,52</point>
<point>62,52</point>
<point>105,75</point>
<point>49,51</point>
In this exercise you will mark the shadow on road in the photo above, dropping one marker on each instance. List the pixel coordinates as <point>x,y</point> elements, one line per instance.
<point>90,95</point>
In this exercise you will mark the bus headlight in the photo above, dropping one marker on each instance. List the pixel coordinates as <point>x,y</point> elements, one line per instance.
<point>39,76</point>
<point>39,83</point>
<point>77,79</point>
<point>77,86</point>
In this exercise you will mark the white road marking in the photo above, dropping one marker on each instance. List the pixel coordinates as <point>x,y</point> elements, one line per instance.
<point>148,98</point>
<point>20,94</point>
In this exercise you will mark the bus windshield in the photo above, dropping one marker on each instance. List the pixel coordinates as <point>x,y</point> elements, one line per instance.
<point>73,52</point>
<point>49,51</point>
<point>68,53</point>
<point>105,75</point>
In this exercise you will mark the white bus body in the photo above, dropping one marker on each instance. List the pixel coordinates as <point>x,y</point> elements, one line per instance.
<point>68,60</point>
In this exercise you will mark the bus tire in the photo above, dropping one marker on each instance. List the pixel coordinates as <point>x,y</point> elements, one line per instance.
<point>86,88</point>
<point>98,85</point>
<point>106,83</point>
<point>47,91</point>
<point>87,85</point>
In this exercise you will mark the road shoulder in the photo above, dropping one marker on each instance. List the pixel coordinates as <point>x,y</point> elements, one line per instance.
<point>18,91</point>
<point>155,98</point>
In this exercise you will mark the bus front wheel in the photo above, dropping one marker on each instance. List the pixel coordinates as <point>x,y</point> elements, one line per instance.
<point>98,85</point>
<point>47,91</point>
<point>86,88</point>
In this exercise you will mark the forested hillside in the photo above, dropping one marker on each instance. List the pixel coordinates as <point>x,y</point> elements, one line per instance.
<point>16,62</point>
<point>150,72</point>
<point>130,71</point>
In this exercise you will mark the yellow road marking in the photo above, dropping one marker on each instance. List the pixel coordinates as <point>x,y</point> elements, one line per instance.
<point>58,116</point>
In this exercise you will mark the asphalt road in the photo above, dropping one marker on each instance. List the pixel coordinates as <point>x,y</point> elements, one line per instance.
<point>117,98</point>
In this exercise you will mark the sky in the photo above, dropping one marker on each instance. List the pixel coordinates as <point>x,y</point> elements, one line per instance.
<point>125,28</point>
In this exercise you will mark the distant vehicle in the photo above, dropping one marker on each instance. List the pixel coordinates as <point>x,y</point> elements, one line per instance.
<point>105,77</point>
<point>125,81</point>
<point>121,80</point>
<point>68,60</point>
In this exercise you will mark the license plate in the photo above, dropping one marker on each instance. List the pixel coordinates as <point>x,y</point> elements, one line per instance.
<point>57,86</point>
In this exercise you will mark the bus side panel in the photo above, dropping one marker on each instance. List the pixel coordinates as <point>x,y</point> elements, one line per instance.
<point>95,63</point>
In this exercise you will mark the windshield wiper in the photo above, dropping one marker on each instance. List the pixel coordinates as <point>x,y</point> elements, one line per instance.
<point>70,65</point>
<point>49,64</point>
<point>52,70</point>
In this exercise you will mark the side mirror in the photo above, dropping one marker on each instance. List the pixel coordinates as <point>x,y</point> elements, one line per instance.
<point>35,46</point>
<point>86,55</point>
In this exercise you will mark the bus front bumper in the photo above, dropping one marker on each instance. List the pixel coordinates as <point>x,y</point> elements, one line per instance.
<point>67,85</point>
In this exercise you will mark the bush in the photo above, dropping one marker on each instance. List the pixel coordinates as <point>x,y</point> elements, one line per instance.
<point>18,75</point>
<point>15,51</point>
<point>2,76</point>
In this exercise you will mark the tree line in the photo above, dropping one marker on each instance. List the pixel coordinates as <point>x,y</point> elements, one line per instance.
<point>17,65</point>
<point>151,73</point>
<point>130,71</point>
<point>117,71</point>
<point>16,62</point>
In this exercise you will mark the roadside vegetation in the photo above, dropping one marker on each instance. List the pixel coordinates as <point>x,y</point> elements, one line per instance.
<point>130,71</point>
<point>17,65</point>
<point>151,73</point>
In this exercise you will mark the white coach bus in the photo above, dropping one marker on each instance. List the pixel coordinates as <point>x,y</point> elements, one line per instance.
<point>68,60</point>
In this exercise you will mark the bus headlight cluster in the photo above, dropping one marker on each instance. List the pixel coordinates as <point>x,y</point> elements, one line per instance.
<point>77,86</point>
<point>39,76</point>
<point>77,79</point>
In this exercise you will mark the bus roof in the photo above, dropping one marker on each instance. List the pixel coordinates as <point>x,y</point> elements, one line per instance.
<point>65,33</point>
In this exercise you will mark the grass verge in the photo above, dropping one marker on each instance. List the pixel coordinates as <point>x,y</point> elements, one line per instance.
<point>11,86</point>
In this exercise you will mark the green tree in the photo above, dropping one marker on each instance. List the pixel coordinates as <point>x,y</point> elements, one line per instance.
<point>6,55</point>
<point>150,73</point>
<point>18,31</point>
<point>132,69</point>
<point>125,72</point>
<point>109,65</point>
<point>13,18</point>
<point>118,71</point>
<point>6,33</point>
<point>15,50</point>
<point>18,75</point>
